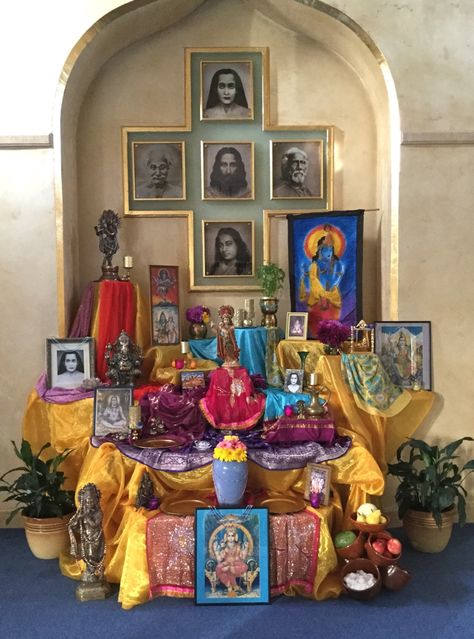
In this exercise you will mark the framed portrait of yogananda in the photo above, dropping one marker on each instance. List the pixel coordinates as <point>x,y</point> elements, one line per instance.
<point>227,90</point>
<point>69,361</point>
<point>228,248</point>
<point>158,171</point>
<point>111,410</point>
<point>232,556</point>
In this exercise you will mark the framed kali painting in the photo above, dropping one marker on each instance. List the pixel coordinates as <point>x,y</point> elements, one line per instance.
<point>231,556</point>
<point>325,266</point>
<point>405,351</point>
<point>164,302</point>
<point>69,361</point>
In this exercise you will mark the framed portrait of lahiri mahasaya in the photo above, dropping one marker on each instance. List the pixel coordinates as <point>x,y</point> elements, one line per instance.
<point>164,303</point>
<point>296,169</point>
<point>226,91</point>
<point>228,248</point>
<point>227,171</point>
<point>158,170</point>
<point>69,361</point>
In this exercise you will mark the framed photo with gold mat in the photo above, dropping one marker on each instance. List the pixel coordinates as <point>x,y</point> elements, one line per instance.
<point>317,483</point>
<point>232,556</point>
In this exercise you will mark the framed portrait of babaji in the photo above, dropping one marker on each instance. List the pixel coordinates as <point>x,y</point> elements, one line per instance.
<point>296,169</point>
<point>228,248</point>
<point>158,170</point>
<point>227,170</point>
<point>69,361</point>
<point>226,90</point>
<point>111,410</point>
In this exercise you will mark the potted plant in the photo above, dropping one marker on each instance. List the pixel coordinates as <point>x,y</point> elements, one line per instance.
<point>45,506</point>
<point>271,278</point>
<point>430,489</point>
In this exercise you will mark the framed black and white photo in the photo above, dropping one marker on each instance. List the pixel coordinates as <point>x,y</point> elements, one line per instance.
<point>227,90</point>
<point>227,170</point>
<point>294,380</point>
<point>69,361</point>
<point>296,169</point>
<point>158,171</point>
<point>228,248</point>
<point>296,326</point>
<point>111,410</point>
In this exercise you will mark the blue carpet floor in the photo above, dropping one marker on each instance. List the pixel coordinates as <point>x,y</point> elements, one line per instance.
<point>36,601</point>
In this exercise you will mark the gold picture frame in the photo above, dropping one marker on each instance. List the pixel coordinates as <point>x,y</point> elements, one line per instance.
<point>226,90</point>
<point>228,248</point>
<point>296,169</point>
<point>318,476</point>
<point>227,171</point>
<point>296,326</point>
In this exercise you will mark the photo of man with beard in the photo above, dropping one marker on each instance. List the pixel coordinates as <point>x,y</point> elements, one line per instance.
<point>228,178</point>
<point>158,171</point>
<point>297,174</point>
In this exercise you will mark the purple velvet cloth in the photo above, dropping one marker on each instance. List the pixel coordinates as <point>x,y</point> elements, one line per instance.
<point>82,321</point>
<point>180,413</point>
<point>60,395</point>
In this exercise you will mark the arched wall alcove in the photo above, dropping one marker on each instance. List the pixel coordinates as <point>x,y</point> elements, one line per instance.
<point>128,70</point>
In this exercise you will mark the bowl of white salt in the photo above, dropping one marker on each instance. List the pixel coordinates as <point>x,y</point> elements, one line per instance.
<point>361,579</point>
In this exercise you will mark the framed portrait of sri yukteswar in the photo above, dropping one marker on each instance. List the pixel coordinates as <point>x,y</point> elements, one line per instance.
<point>226,90</point>
<point>296,169</point>
<point>227,171</point>
<point>69,361</point>
<point>158,171</point>
<point>228,248</point>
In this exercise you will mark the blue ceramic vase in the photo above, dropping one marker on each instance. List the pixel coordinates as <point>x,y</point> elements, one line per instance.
<point>230,481</point>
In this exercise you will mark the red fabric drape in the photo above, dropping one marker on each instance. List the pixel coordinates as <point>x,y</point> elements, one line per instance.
<point>117,311</point>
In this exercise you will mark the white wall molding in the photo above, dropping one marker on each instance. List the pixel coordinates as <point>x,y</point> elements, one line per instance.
<point>439,138</point>
<point>26,141</point>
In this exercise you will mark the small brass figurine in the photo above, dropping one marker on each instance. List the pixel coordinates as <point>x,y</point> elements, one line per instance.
<point>362,337</point>
<point>106,230</point>
<point>88,544</point>
<point>145,491</point>
<point>123,359</point>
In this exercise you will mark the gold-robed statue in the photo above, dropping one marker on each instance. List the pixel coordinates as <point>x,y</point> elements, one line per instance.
<point>88,544</point>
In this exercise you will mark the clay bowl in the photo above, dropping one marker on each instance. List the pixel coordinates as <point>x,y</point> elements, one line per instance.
<point>394,577</point>
<point>367,528</point>
<point>367,566</point>
<point>376,557</point>
<point>354,550</point>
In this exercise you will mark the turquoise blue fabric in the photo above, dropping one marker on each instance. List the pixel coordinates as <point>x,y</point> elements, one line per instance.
<point>278,399</point>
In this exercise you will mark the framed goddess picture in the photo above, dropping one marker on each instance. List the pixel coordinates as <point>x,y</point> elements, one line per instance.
<point>405,351</point>
<point>317,484</point>
<point>231,557</point>
<point>69,361</point>
<point>111,408</point>
<point>226,90</point>
<point>164,298</point>
<point>296,326</point>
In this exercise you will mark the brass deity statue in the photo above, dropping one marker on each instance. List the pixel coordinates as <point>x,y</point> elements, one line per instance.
<point>107,230</point>
<point>88,544</point>
<point>123,359</point>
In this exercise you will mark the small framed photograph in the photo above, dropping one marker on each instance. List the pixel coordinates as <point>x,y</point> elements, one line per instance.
<point>227,90</point>
<point>111,408</point>
<point>164,304</point>
<point>192,379</point>
<point>296,326</point>
<point>294,380</point>
<point>318,481</point>
<point>158,171</point>
<point>228,248</point>
<point>296,169</point>
<point>69,361</point>
<point>227,170</point>
<point>404,349</point>
<point>232,556</point>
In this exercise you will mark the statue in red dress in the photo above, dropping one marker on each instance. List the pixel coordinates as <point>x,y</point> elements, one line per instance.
<point>227,348</point>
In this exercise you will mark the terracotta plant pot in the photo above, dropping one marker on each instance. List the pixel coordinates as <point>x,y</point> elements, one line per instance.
<point>47,537</point>
<point>375,556</point>
<point>354,550</point>
<point>367,528</point>
<point>423,533</point>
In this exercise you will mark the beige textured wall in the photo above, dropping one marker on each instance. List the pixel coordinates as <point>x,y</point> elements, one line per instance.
<point>427,46</point>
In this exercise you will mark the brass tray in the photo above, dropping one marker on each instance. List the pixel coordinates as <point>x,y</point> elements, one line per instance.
<point>281,504</point>
<point>161,441</point>
<point>183,505</point>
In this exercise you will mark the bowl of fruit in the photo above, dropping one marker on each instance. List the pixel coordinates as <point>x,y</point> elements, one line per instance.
<point>361,579</point>
<point>349,545</point>
<point>383,549</point>
<point>369,519</point>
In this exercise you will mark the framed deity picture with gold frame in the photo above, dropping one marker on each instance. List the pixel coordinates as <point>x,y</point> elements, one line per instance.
<point>226,90</point>
<point>318,482</point>
<point>228,248</point>
<point>296,326</point>
<point>227,171</point>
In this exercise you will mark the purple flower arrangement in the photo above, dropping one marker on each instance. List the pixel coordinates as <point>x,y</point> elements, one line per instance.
<point>332,333</point>
<point>198,315</point>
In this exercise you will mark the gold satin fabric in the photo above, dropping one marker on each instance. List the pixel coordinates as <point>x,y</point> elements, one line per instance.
<point>162,356</point>
<point>287,354</point>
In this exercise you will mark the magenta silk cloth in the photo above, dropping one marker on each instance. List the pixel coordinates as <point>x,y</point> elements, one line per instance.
<point>296,429</point>
<point>60,395</point>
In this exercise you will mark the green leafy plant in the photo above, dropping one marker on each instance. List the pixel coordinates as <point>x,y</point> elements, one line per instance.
<point>271,278</point>
<point>430,480</point>
<point>38,488</point>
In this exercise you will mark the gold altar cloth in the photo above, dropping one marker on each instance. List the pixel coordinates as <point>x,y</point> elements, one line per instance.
<point>287,354</point>
<point>163,373</point>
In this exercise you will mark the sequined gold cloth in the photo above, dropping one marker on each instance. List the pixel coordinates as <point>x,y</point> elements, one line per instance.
<point>294,546</point>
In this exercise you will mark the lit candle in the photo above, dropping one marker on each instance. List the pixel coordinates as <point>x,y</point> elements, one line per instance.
<point>185,347</point>
<point>313,379</point>
<point>128,261</point>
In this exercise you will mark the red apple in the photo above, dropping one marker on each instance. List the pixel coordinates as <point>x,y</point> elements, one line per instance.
<point>379,546</point>
<point>394,546</point>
